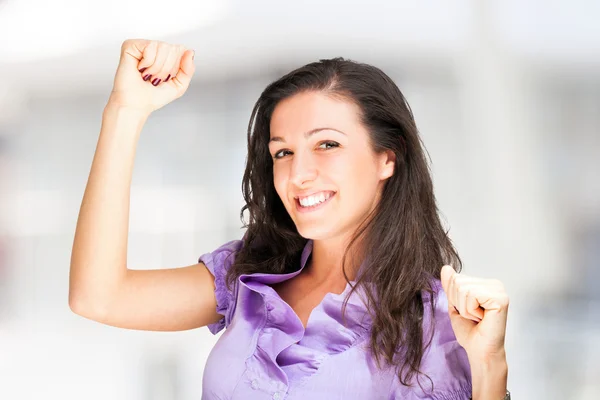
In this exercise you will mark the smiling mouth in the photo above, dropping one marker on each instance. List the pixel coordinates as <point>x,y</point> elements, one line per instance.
<point>310,203</point>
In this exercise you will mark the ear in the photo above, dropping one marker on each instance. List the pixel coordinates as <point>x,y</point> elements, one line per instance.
<point>387,164</point>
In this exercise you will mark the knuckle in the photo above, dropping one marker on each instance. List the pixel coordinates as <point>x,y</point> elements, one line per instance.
<point>127,43</point>
<point>152,46</point>
<point>453,278</point>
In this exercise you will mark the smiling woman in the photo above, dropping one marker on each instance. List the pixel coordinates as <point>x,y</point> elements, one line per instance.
<point>311,164</point>
<point>339,288</point>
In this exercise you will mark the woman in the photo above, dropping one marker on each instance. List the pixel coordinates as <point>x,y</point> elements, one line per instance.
<point>341,286</point>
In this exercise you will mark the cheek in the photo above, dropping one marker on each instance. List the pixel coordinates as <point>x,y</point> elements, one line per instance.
<point>359,177</point>
<point>350,170</point>
<point>279,181</point>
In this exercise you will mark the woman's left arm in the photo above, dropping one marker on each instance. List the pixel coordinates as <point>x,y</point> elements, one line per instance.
<point>478,309</point>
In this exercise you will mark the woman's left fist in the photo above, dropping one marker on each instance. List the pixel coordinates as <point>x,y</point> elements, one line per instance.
<point>478,309</point>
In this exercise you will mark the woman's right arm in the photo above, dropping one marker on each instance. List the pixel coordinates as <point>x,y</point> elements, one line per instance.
<point>101,287</point>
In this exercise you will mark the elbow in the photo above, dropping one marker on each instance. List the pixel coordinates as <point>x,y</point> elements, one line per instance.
<point>75,304</point>
<point>86,308</point>
<point>92,299</point>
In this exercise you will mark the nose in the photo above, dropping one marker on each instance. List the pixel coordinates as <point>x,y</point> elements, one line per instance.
<point>303,170</point>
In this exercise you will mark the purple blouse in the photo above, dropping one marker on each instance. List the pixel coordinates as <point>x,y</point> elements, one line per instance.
<point>266,354</point>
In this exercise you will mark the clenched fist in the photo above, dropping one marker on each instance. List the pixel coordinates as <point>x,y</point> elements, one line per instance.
<point>151,74</point>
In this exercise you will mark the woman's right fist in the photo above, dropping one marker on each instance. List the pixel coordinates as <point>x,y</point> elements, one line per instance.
<point>151,74</point>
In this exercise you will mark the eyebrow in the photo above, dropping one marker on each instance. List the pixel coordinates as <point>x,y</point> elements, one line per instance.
<point>306,135</point>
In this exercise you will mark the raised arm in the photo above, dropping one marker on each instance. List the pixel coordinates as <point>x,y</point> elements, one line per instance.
<point>101,287</point>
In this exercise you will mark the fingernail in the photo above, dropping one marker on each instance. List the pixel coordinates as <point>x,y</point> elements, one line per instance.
<point>168,77</point>
<point>147,77</point>
<point>156,82</point>
<point>143,69</point>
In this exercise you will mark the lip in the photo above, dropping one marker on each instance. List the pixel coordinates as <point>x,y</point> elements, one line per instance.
<point>301,209</point>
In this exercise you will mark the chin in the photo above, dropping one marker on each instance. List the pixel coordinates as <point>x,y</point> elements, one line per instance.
<point>315,231</point>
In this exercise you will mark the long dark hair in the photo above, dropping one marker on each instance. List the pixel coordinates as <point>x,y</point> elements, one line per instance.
<point>408,244</point>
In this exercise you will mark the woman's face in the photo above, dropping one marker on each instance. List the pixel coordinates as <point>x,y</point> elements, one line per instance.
<point>324,169</point>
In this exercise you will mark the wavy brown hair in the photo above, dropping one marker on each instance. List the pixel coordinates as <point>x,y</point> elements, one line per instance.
<point>408,244</point>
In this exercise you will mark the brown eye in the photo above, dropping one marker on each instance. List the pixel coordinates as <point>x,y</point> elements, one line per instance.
<point>282,153</point>
<point>328,145</point>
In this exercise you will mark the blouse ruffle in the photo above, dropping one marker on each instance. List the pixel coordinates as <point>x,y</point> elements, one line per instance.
<point>293,352</point>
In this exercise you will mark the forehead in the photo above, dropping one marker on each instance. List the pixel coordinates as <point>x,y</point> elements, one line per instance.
<point>309,110</point>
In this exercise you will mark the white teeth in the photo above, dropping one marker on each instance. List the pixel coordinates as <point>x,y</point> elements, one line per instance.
<point>314,199</point>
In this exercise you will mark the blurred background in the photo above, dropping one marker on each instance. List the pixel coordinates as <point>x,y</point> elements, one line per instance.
<point>506,95</point>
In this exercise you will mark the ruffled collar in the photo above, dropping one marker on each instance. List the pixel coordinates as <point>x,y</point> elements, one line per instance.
<point>285,342</point>
<point>355,307</point>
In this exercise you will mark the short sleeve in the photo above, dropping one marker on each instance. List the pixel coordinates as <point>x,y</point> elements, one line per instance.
<point>444,361</point>
<point>218,263</point>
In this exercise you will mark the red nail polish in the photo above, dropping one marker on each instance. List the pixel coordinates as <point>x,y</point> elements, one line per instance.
<point>147,77</point>
<point>168,77</point>
<point>156,82</point>
<point>143,69</point>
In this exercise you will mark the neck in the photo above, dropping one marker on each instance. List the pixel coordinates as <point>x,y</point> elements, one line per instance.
<point>325,266</point>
